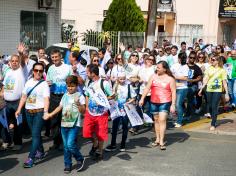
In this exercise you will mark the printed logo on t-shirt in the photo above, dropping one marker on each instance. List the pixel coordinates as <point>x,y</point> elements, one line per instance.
<point>10,84</point>
<point>31,99</point>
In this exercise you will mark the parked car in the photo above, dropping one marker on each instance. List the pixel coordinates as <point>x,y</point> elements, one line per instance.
<point>62,47</point>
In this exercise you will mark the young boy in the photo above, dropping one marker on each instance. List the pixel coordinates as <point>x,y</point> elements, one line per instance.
<point>72,105</point>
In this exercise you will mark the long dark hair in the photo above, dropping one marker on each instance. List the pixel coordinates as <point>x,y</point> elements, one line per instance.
<point>166,67</point>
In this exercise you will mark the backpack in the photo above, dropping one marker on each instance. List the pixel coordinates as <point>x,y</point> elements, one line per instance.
<point>101,85</point>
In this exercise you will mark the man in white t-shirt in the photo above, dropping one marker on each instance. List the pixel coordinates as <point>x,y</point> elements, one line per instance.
<point>14,82</point>
<point>56,78</point>
<point>173,58</point>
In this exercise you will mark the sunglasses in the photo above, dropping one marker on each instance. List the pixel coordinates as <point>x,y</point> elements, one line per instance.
<point>134,55</point>
<point>95,60</point>
<point>118,58</point>
<point>200,57</point>
<point>160,51</point>
<point>110,62</point>
<point>218,48</point>
<point>213,60</point>
<point>38,71</point>
<point>191,57</point>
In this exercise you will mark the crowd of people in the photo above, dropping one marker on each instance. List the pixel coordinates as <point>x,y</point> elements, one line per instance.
<point>60,96</point>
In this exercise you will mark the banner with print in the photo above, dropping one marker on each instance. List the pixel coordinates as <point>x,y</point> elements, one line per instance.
<point>147,119</point>
<point>99,97</point>
<point>114,109</point>
<point>133,115</point>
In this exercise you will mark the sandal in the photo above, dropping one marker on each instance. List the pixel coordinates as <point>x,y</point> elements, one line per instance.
<point>155,144</point>
<point>162,147</point>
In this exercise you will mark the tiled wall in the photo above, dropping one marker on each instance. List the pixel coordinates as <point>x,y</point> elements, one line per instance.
<point>10,23</point>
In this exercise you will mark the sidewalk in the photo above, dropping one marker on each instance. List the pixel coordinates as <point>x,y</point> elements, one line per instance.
<point>226,124</point>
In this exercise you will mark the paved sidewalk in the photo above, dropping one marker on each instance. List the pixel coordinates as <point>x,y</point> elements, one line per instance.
<point>226,124</point>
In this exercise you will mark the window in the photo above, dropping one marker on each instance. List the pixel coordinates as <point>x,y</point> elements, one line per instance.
<point>190,32</point>
<point>33,31</point>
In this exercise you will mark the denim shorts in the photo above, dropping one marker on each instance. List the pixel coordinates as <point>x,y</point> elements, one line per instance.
<point>160,107</point>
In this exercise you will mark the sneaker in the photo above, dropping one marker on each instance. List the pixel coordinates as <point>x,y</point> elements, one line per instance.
<point>110,148</point>
<point>17,147</point>
<point>212,128</point>
<point>28,163</point>
<point>177,125</point>
<point>92,151</point>
<point>197,111</point>
<point>208,115</point>
<point>67,170</point>
<point>80,165</point>
<point>5,146</point>
<point>39,155</point>
<point>122,149</point>
<point>97,156</point>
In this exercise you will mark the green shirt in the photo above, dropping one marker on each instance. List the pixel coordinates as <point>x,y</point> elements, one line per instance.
<point>232,61</point>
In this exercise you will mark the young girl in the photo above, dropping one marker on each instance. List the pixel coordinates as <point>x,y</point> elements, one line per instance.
<point>124,94</point>
<point>72,106</point>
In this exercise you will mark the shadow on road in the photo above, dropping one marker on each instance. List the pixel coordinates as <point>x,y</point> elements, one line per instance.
<point>7,164</point>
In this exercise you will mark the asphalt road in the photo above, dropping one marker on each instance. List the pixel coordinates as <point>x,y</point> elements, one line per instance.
<point>187,154</point>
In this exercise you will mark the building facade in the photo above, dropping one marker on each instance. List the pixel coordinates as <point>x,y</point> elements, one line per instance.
<point>34,22</point>
<point>177,20</point>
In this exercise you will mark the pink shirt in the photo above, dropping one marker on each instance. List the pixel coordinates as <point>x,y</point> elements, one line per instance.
<point>160,90</point>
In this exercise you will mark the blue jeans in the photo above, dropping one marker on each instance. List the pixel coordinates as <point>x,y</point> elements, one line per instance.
<point>69,137</point>
<point>181,94</point>
<point>191,99</point>
<point>115,124</point>
<point>35,122</point>
<point>232,90</point>
<point>213,98</point>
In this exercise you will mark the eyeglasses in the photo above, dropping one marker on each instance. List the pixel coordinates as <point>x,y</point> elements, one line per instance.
<point>95,60</point>
<point>38,71</point>
<point>151,59</point>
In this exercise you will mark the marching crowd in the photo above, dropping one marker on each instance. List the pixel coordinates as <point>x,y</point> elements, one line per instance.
<point>63,95</point>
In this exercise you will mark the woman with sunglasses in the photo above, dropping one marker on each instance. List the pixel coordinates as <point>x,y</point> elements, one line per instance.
<point>215,79</point>
<point>95,61</point>
<point>201,62</point>
<point>35,97</point>
<point>132,71</point>
<point>145,74</point>
<point>118,67</point>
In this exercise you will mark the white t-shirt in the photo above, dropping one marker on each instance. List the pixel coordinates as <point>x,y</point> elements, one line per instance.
<point>116,70</point>
<point>102,72</point>
<point>132,70</point>
<point>58,75</point>
<point>122,96</point>
<point>161,58</point>
<point>70,111</point>
<point>180,70</point>
<point>36,98</point>
<point>145,74</point>
<point>13,82</point>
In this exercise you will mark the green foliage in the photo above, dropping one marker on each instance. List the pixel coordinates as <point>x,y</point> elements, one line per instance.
<point>124,15</point>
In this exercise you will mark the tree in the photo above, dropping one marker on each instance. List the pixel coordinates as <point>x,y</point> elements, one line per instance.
<point>124,15</point>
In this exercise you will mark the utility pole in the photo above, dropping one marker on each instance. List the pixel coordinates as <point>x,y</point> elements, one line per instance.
<point>151,23</point>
